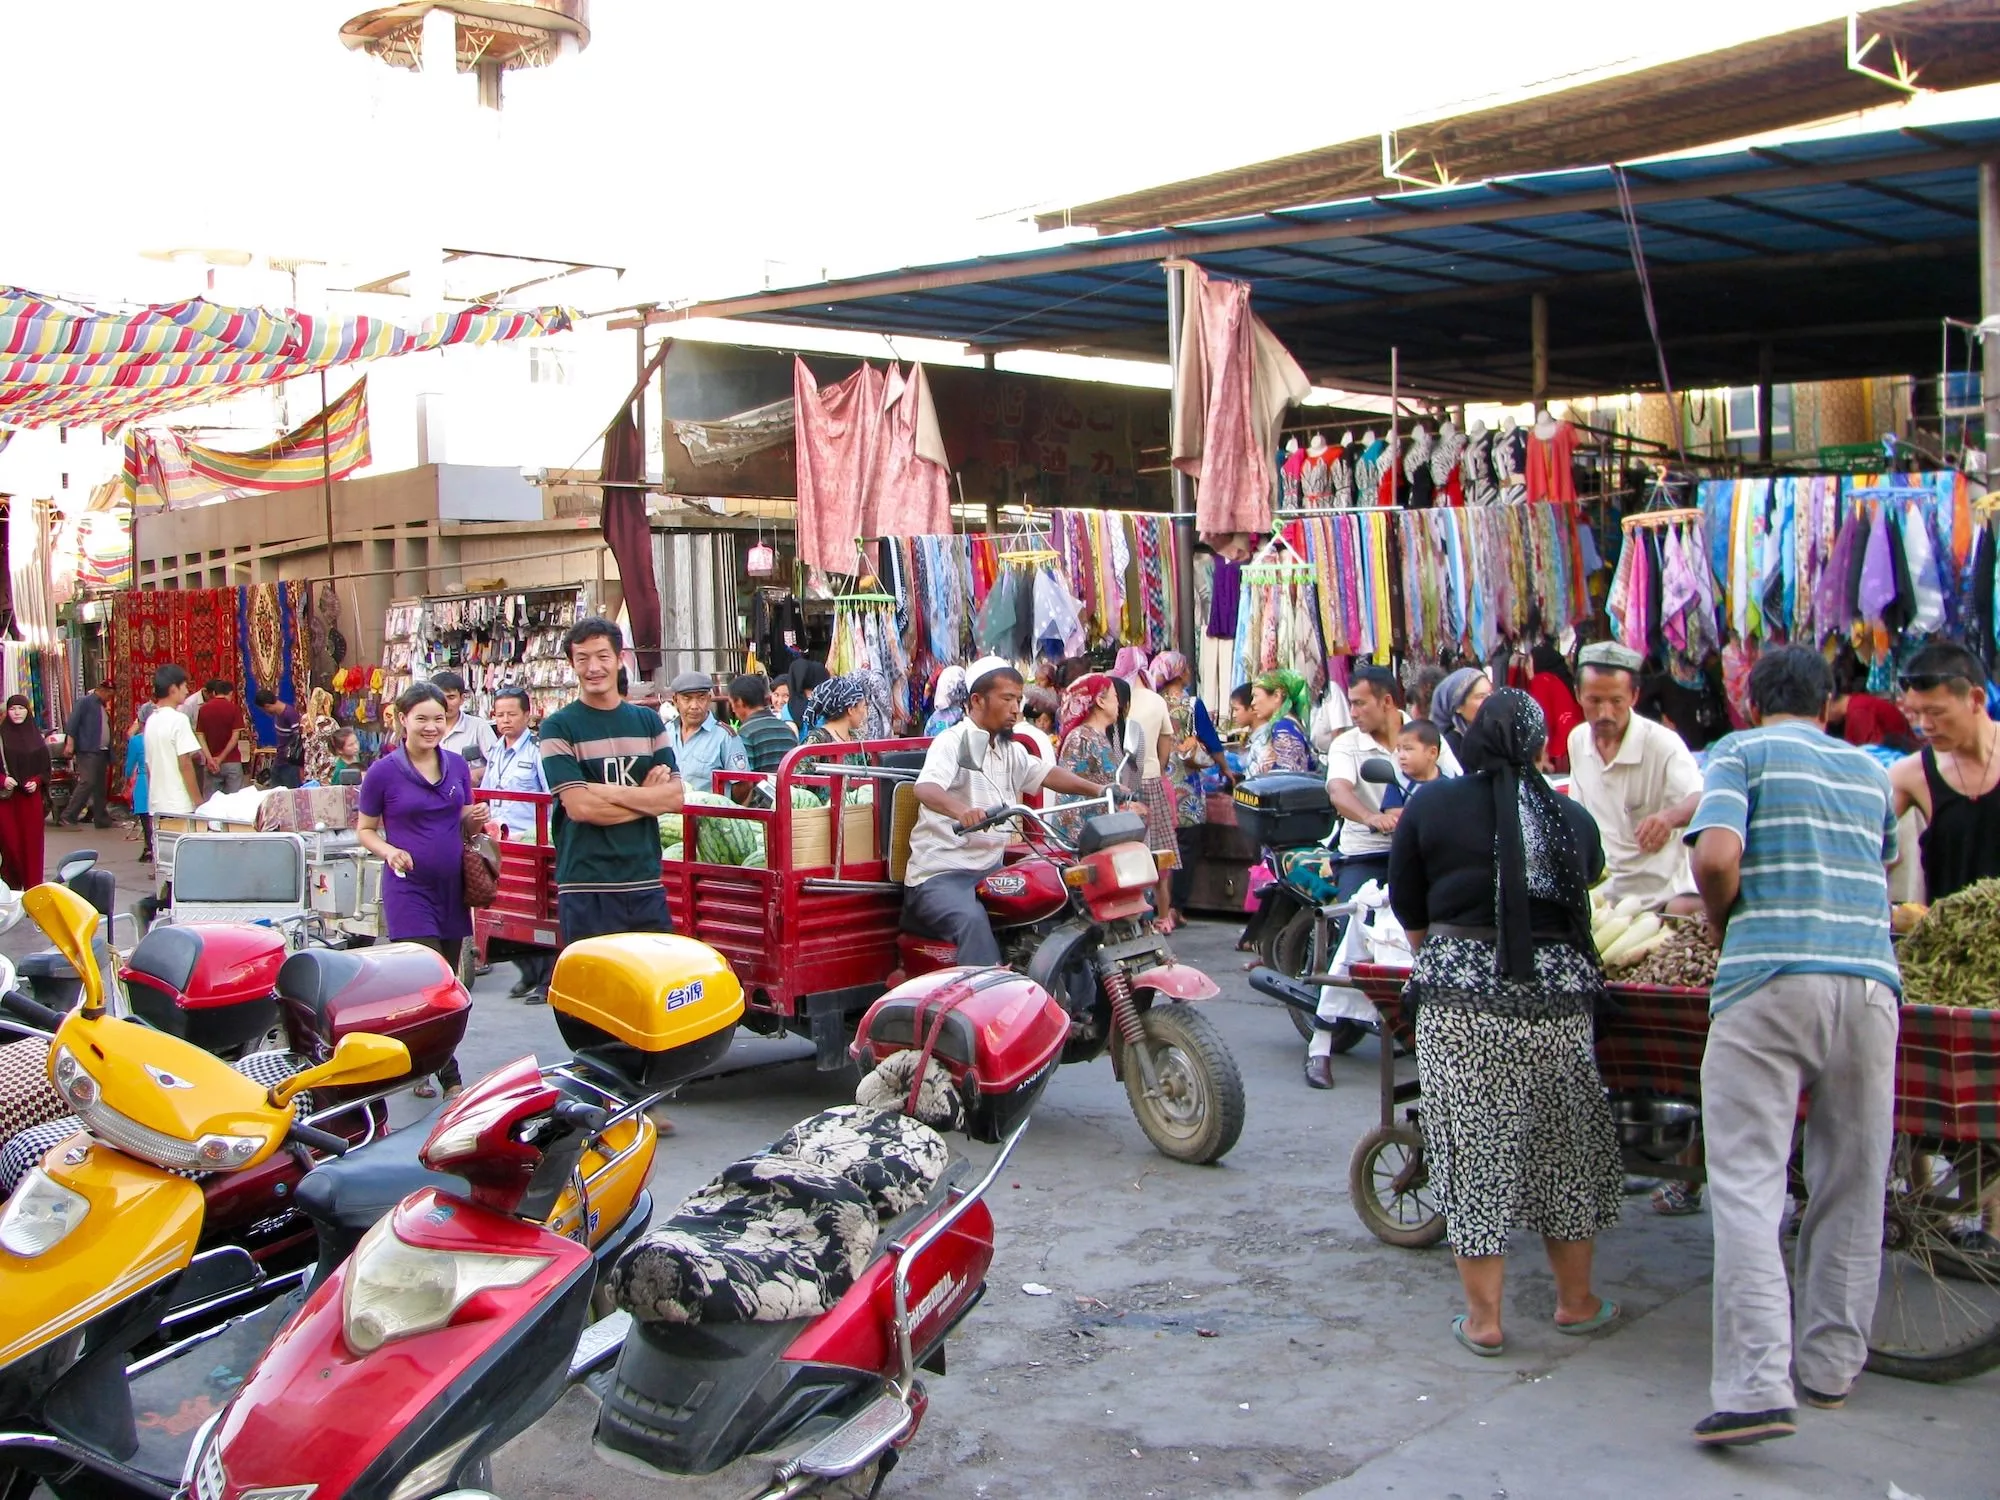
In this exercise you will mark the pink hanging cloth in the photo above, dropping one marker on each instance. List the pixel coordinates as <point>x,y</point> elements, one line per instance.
<point>870,462</point>
<point>834,433</point>
<point>1236,380</point>
<point>909,492</point>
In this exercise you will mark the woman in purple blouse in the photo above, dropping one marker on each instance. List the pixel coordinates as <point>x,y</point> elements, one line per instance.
<point>416,804</point>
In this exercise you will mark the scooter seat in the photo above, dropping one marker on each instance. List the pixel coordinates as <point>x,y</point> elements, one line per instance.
<point>783,1234</point>
<point>344,1197</point>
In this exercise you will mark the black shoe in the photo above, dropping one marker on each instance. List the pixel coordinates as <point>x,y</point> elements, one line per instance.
<point>519,988</point>
<point>536,997</point>
<point>480,971</point>
<point>1822,1400</point>
<point>1728,1429</point>
<point>1319,1072</point>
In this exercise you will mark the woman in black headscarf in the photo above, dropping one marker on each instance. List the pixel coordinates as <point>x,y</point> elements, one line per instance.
<point>24,772</point>
<point>1491,874</point>
<point>802,676</point>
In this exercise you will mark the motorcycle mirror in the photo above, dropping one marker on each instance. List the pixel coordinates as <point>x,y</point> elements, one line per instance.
<point>10,909</point>
<point>361,1057</point>
<point>972,748</point>
<point>71,924</point>
<point>1378,770</point>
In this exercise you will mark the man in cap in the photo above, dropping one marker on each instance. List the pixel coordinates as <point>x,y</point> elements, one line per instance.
<point>1638,779</point>
<point>702,745</point>
<point>941,898</point>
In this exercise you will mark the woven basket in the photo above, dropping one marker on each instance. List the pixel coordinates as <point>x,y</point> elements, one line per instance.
<point>902,822</point>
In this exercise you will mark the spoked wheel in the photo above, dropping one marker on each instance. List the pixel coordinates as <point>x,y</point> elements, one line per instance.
<point>1289,950</point>
<point>1937,1311</point>
<point>1391,1189</point>
<point>1198,1112</point>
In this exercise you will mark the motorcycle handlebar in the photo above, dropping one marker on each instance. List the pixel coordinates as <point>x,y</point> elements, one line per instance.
<point>319,1140</point>
<point>1113,795</point>
<point>32,1011</point>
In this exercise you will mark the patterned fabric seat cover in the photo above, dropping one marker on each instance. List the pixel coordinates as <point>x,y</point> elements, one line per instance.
<point>785,1233</point>
<point>27,1145</point>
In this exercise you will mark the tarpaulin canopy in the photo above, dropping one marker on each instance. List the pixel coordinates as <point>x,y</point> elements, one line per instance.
<point>163,468</point>
<point>65,363</point>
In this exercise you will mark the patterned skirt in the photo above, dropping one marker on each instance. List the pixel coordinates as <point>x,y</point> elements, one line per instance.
<point>1160,823</point>
<point>1516,1127</point>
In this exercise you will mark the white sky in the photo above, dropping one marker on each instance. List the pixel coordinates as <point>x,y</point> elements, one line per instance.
<point>695,142</point>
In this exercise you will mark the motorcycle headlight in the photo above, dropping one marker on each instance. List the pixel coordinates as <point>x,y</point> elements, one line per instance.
<point>1133,868</point>
<point>395,1290</point>
<point>73,1082</point>
<point>435,1472</point>
<point>38,1216</point>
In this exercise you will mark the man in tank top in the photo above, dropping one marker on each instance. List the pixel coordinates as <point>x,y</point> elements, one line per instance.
<point>1952,780</point>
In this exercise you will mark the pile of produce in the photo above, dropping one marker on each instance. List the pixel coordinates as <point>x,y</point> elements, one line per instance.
<point>1683,959</point>
<point>1950,956</point>
<point>1624,933</point>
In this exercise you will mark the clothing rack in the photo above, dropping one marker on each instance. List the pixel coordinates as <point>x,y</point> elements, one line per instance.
<point>1341,510</point>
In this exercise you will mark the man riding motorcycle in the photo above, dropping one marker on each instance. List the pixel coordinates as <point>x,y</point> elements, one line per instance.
<point>940,898</point>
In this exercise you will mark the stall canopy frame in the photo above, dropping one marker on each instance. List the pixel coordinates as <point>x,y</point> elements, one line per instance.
<point>1810,260</point>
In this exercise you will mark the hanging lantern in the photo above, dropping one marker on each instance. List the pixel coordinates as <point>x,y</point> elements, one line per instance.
<point>761,561</point>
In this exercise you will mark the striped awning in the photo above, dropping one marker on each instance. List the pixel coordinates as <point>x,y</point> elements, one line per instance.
<point>65,363</point>
<point>163,468</point>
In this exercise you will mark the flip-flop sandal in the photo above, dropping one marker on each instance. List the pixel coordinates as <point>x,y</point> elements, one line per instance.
<point>1484,1351</point>
<point>1606,1311</point>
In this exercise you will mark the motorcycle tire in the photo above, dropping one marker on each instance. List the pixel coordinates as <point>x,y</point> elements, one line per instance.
<point>1289,950</point>
<point>1405,1216</point>
<point>1200,1112</point>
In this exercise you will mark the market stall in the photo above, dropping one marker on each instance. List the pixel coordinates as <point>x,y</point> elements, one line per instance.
<point>493,639</point>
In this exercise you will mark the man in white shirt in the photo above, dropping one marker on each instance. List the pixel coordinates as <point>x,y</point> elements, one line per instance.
<point>940,896</point>
<point>465,735</point>
<point>1638,779</point>
<point>172,784</point>
<point>1365,827</point>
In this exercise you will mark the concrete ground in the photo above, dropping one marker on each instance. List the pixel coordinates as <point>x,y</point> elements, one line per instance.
<point>1235,1330</point>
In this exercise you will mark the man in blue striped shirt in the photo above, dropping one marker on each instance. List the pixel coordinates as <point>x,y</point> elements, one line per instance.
<point>1791,843</point>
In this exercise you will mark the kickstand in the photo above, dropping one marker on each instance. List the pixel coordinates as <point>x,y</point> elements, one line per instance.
<point>883,1466</point>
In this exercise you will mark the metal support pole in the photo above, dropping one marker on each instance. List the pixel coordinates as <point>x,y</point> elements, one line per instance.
<point>1989,308</point>
<point>639,384</point>
<point>1766,359</point>
<point>1538,348</point>
<point>326,473</point>
<point>1183,484</point>
<point>1395,439</point>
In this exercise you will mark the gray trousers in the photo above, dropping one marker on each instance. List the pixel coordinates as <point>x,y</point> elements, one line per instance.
<point>947,906</point>
<point>1831,1037</point>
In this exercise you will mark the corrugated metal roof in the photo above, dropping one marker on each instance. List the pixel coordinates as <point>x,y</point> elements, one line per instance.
<point>1772,83</point>
<point>1842,254</point>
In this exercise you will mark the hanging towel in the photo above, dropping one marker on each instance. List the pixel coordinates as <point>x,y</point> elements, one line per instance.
<point>1927,594</point>
<point>630,536</point>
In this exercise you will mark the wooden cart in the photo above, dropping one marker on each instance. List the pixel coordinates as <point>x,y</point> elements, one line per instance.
<point>1938,1307</point>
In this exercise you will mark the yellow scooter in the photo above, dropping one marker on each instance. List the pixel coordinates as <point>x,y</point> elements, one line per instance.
<point>98,1245</point>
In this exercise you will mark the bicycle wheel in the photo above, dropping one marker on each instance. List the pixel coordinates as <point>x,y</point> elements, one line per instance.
<point>1937,1310</point>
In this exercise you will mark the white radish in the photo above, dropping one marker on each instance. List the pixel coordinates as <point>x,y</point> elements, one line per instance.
<point>1640,930</point>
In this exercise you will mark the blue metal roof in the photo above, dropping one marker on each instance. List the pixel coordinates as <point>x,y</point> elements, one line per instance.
<point>1842,254</point>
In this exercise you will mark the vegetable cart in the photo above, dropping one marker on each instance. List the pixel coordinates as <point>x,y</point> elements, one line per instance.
<point>1937,1313</point>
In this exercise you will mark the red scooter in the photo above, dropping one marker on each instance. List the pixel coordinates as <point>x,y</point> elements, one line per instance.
<point>1074,917</point>
<point>459,1323</point>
